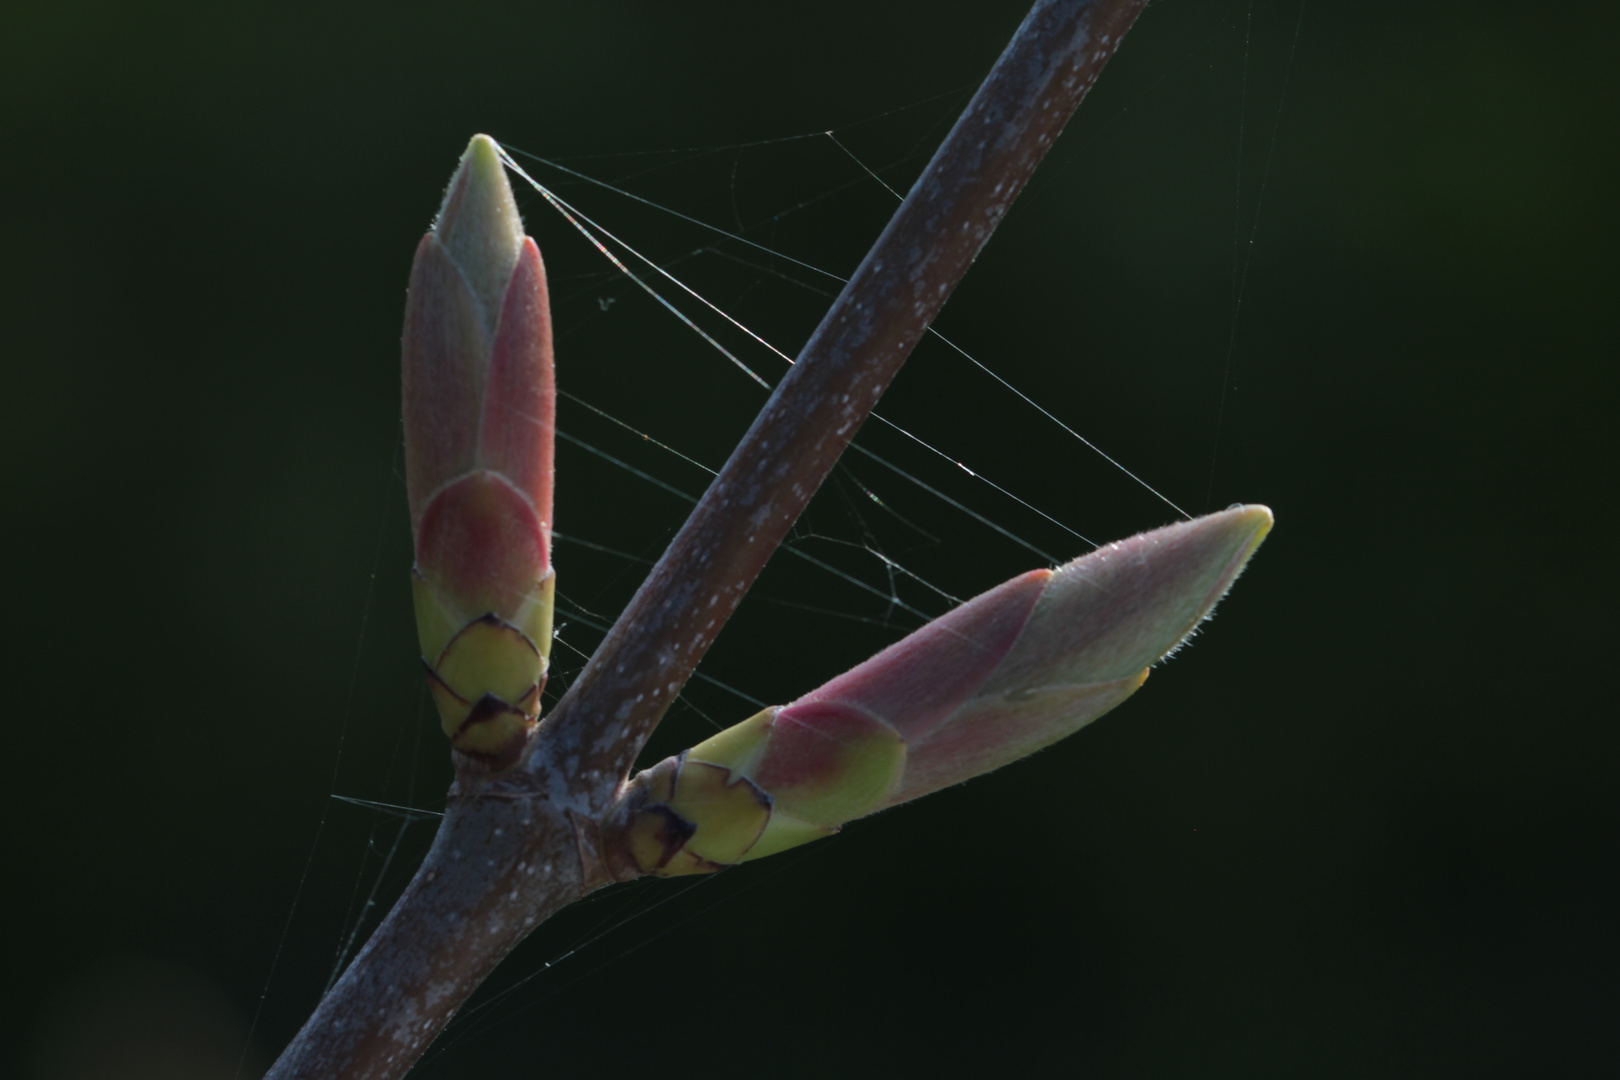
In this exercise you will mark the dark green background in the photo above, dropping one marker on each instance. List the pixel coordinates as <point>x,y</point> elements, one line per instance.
<point>1365,827</point>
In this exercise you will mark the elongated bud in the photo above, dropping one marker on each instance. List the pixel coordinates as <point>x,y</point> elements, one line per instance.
<point>1007,673</point>
<point>480,403</point>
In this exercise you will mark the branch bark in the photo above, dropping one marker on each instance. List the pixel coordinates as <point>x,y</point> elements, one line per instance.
<point>901,285</point>
<point>516,847</point>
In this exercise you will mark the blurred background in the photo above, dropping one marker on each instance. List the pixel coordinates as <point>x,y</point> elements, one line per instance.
<point>1355,261</point>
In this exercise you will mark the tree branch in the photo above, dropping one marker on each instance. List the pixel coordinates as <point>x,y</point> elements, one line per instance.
<point>1017,114</point>
<point>516,847</point>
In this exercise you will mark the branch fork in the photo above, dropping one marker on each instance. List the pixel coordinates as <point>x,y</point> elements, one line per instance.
<point>545,810</point>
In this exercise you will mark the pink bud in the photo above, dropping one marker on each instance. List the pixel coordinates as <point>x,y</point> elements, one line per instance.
<point>480,402</point>
<point>1007,673</point>
<point>1031,661</point>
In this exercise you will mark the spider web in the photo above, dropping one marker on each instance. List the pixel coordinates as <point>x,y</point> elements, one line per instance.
<point>709,266</point>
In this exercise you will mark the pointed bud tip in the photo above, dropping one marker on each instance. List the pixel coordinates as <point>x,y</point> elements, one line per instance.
<point>482,144</point>
<point>1129,604</point>
<point>1252,518</point>
<point>479,224</point>
<point>1238,530</point>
